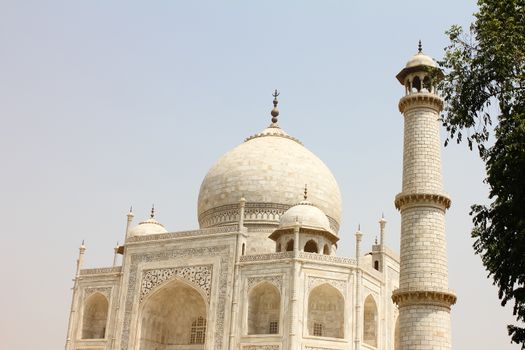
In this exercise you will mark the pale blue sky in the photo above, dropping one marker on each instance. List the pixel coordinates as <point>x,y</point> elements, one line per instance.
<point>104,105</point>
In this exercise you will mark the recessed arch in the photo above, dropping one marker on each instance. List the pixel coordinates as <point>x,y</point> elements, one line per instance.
<point>264,306</point>
<point>397,337</point>
<point>311,247</point>
<point>326,249</point>
<point>95,317</point>
<point>326,312</point>
<point>370,321</point>
<point>174,314</point>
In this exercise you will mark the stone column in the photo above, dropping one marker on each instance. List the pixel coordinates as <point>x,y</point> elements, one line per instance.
<point>423,296</point>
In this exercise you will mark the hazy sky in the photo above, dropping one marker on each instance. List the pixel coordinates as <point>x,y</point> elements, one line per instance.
<point>107,104</point>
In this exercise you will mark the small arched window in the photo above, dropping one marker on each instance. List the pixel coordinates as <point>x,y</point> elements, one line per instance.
<point>289,246</point>
<point>427,87</point>
<point>376,265</point>
<point>326,250</point>
<point>243,248</point>
<point>198,331</point>
<point>311,247</point>
<point>416,84</point>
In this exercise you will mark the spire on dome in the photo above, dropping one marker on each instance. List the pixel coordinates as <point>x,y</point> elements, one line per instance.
<point>419,47</point>
<point>275,111</point>
<point>152,215</point>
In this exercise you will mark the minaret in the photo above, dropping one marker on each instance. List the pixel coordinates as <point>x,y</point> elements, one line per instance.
<point>423,297</point>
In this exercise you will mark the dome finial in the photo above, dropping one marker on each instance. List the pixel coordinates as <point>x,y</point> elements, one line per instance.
<point>419,47</point>
<point>275,111</point>
<point>152,215</point>
<point>305,191</point>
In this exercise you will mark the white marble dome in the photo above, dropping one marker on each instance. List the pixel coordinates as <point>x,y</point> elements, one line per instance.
<point>307,215</point>
<point>147,227</point>
<point>270,170</point>
<point>420,59</point>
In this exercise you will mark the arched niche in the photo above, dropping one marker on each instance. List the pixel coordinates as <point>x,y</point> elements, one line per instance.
<point>95,317</point>
<point>397,338</point>
<point>326,312</point>
<point>326,249</point>
<point>370,322</point>
<point>264,306</point>
<point>172,317</point>
<point>311,247</point>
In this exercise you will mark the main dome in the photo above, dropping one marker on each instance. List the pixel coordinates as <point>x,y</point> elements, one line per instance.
<point>270,170</point>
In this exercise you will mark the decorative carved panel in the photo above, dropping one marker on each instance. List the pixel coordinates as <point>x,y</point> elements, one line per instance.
<point>106,291</point>
<point>261,347</point>
<point>340,285</point>
<point>199,276</point>
<point>277,281</point>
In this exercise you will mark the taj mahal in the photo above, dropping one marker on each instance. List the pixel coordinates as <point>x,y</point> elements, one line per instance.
<point>262,271</point>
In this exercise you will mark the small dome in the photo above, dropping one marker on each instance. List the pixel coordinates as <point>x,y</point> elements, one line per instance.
<point>147,227</point>
<point>420,59</point>
<point>307,214</point>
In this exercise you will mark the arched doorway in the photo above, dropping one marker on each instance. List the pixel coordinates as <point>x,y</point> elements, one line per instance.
<point>326,312</point>
<point>172,317</point>
<point>311,247</point>
<point>95,317</point>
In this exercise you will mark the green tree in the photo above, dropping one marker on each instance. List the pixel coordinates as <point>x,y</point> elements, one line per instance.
<point>484,91</point>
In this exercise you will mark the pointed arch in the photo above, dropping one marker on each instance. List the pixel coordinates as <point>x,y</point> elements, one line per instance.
<point>326,250</point>
<point>264,306</point>
<point>416,84</point>
<point>311,247</point>
<point>174,314</point>
<point>397,337</point>
<point>326,312</point>
<point>370,321</point>
<point>95,317</point>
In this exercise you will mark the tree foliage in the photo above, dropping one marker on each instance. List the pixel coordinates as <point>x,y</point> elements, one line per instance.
<point>484,91</point>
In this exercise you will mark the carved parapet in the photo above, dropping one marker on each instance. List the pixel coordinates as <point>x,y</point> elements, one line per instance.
<point>267,257</point>
<point>403,200</point>
<point>421,99</point>
<point>101,271</point>
<point>443,298</point>
<point>183,234</point>
<point>327,258</point>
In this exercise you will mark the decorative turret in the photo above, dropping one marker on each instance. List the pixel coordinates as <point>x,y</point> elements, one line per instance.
<point>423,297</point>
<point>316,236</point>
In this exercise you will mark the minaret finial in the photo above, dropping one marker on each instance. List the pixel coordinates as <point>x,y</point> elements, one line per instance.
<point>152,215</point>
<point>305,192</point>
<point>275,111</point>
<point>419,47</point>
